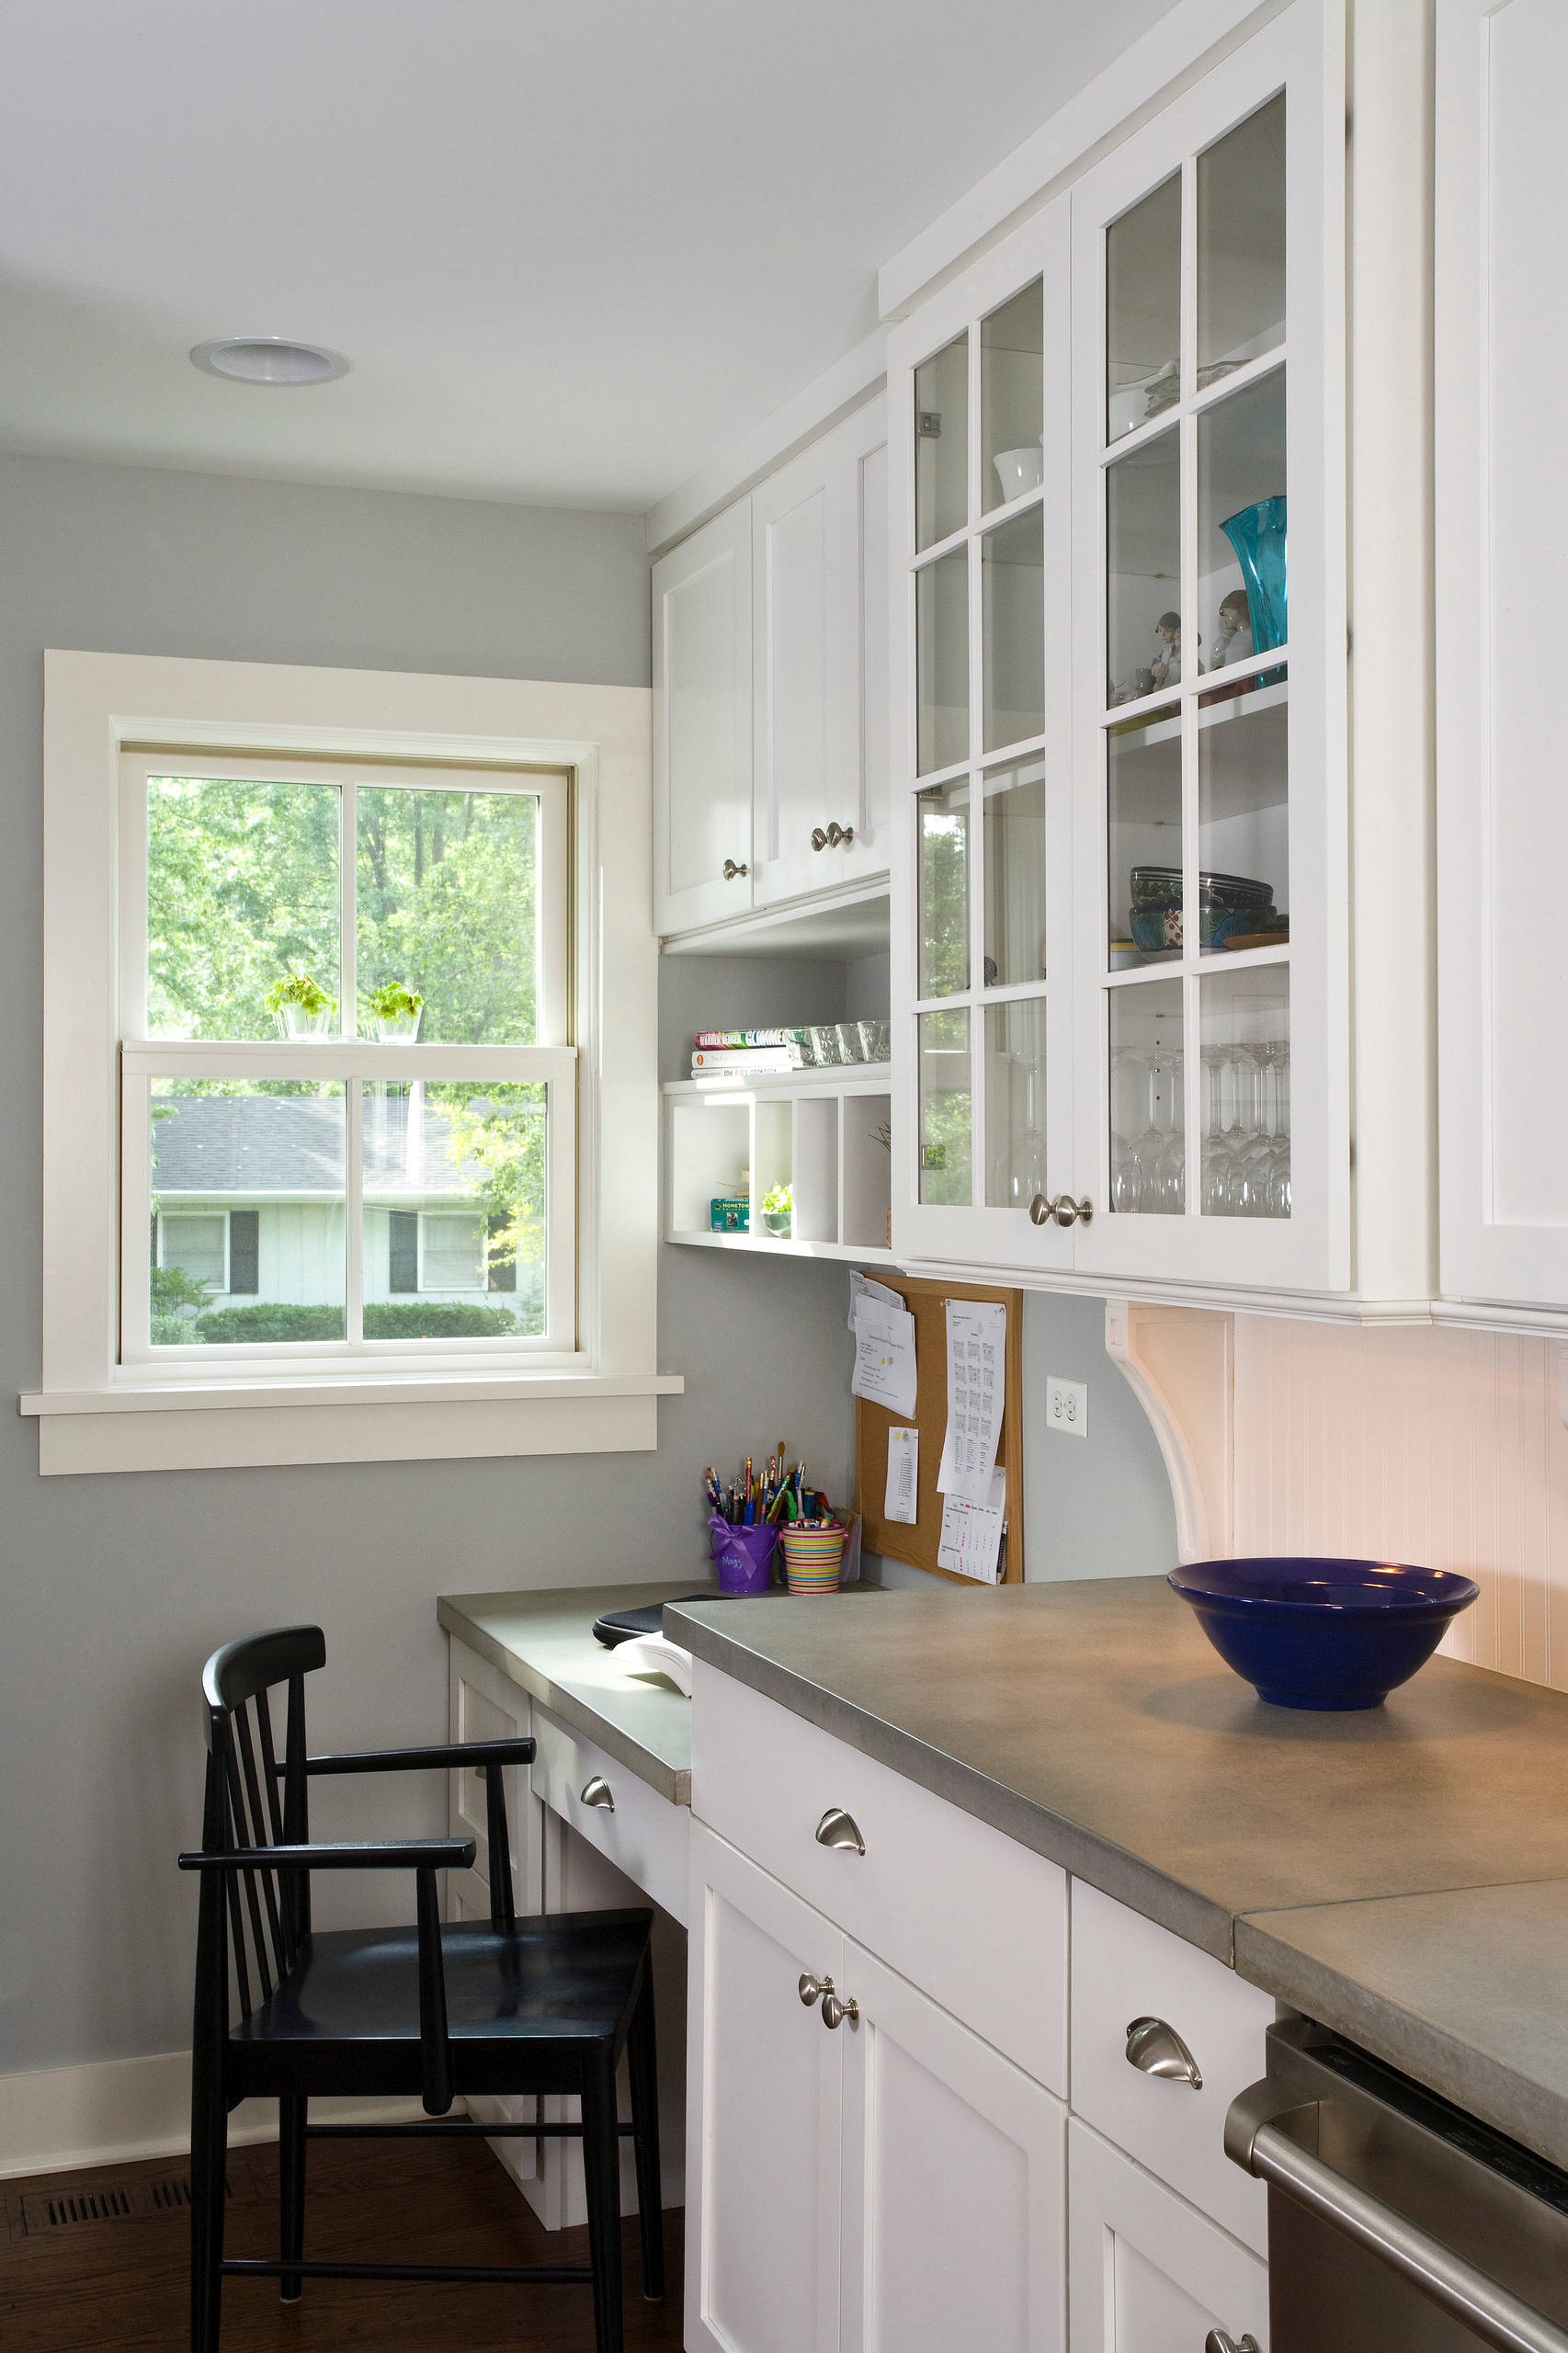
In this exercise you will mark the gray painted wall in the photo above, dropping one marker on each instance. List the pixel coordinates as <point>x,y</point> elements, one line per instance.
<point>113,1590</point>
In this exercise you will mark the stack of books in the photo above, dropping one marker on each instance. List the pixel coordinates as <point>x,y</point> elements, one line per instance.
<point>747,1054</point>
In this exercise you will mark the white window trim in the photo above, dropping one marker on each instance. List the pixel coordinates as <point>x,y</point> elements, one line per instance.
<point>95,1415</point>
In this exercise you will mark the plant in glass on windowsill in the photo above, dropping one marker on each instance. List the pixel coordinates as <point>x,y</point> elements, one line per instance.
<point>396,1010</point>
<point>779,1210</point>
<point>300,1005</point>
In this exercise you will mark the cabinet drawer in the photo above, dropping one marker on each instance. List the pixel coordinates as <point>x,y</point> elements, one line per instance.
<point>642,1834</point>
<point>1124,1966</point>
<point>976,1920</point>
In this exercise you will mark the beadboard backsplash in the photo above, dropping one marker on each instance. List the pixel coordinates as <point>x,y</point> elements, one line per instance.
<point>1429,1443</point>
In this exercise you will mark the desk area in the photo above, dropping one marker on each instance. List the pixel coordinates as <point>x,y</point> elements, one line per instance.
<point>544,1643</point>
<point>602,1819</point>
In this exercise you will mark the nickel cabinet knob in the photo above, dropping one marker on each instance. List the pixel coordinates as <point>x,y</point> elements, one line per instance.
<point>732,872</point>
<point>597,1792</point>
<point>840,837</point>
<point>809,1987</point>
<point>1063,1208</point>
<point>837,1828</point>
<point>835,2012</point>
<point>1157,2049</point>
<point>1218,2342</point>
<point>819,839</point>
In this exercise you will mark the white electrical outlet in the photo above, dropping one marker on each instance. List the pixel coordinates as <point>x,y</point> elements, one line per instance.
<point>1067,1406</point>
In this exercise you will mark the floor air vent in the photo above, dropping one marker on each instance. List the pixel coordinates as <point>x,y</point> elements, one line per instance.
<point>128,2201</point>
<point>68,2210</point>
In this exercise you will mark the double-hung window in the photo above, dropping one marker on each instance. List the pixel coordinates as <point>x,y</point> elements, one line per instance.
<point>347,1086</point>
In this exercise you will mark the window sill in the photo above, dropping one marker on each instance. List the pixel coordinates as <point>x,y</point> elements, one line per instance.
<point>163,1424</point>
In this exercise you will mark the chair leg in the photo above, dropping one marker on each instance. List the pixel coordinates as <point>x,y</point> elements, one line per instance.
<point>642,2066</point>
<point>291,2179</point>
<point>209,2164</point>
<point>601,2168</point>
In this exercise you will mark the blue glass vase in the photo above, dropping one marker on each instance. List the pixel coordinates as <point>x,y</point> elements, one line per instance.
<point>1257,535</point>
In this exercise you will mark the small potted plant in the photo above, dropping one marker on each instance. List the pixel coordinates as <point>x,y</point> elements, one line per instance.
<point>301,1007</point>
<point>397,1011</point>
<point>779,1210</point>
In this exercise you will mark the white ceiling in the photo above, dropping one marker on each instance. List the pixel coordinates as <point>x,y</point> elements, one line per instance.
<point>573,250</point>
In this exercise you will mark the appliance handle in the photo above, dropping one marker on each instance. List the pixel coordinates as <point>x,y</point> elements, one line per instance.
<point>1256,2140</point>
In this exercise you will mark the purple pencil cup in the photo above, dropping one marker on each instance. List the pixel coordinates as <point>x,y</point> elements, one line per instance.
<point>743,1556</point>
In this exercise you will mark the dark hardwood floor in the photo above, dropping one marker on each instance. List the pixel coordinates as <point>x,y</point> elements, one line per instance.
<point>120,2285</point>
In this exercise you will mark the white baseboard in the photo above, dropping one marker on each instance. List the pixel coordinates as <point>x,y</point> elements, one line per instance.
<point>118,2110</point>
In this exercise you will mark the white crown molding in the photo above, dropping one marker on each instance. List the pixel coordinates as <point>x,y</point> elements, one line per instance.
<point>1144,78</point>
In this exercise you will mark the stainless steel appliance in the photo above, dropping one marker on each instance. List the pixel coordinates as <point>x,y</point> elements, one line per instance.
<point>1396,2222</point>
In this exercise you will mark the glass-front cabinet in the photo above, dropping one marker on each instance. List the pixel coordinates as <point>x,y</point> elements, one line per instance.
<point>1125,881</point>
<point>988,952</point>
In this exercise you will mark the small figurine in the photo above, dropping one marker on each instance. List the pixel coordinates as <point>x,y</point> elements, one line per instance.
<point>1165,668</point>
<point>1234,640</point>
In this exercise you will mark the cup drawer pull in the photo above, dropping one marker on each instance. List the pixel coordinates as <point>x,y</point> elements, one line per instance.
<point>597,1792</point>
<point>837,1828</point>
<point>1157,2049</point>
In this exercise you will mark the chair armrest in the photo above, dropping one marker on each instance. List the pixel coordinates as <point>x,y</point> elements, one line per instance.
<point>369,1855</point>
<point>398,1760</point>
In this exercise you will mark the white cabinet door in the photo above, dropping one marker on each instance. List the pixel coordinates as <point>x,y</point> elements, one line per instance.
<point>979,698</point>
<point>819,669</point>
<point>954,2174</point>
<point>1148,2274</point>
<point>1211,1011</point>
<point>1501,518</point>
<point>702,725</point>
<point>763,2106</point>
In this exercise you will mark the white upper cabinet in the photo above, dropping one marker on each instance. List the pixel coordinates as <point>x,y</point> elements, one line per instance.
<point>702,725</point>
<point>1121,952</point>
<point>819,627</point>
<point>1211,1029</point>
<point>1502,523</point>
<point>982,899</point>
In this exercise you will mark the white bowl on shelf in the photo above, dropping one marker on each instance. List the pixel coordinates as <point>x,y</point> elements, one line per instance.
<point>1019,470</point>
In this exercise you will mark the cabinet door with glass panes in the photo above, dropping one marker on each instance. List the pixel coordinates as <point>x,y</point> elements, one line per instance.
<point>1211,1037</point>
<point>983,858</point>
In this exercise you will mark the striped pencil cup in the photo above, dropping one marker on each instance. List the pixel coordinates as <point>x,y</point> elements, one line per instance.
<point>813,1558</point>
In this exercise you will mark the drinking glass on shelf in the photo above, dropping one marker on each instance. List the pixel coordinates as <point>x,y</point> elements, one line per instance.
<point>825,1042</point>
<point>1131,1126</point>
<point>1168,1170</point>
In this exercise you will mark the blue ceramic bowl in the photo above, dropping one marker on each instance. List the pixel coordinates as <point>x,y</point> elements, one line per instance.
<point>1321,1634</point>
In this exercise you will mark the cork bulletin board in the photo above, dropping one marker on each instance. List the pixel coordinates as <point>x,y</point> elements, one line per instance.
<point>896,1540</point>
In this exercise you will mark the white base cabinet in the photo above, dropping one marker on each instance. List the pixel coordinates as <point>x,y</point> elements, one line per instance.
<point>1148,2274</point>
<point>897,2181</point>
<point>954,2167</point>
<point>892,2185</point>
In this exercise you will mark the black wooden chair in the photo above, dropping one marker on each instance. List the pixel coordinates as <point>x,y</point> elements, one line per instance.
<point>498,2007</point>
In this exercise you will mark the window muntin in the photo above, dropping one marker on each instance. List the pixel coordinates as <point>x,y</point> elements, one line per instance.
<point>287,1145</point>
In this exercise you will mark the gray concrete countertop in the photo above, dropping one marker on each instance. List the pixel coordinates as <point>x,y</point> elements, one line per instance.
<point>1463,1990</point>
<point>1366,1868</point>
<point>544,1642</point>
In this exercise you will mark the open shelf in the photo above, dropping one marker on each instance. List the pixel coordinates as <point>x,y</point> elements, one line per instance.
<point>815,1131</point>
